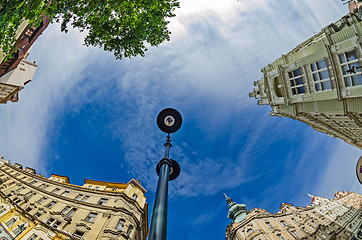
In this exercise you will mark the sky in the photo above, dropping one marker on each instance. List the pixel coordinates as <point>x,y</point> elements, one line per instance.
<point>87,115</point>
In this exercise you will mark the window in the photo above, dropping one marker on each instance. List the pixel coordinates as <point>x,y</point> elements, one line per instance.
<point>85,198</point>
<point>29,194</point>
<point>134,196</point>
<point>41,200</point>
<point>283,223</point>
<point>120,224</point>
<point>71,212</point>
<point>33,237</point>
<point>55,190</point>
<point>2,209</point>
<point>280,236</point>
<point>321,77</point>
<point>250,231</point>
<point>102,201</point>
<point>294,233</point>
<point>91,216</point>
<point>351,68</point>
<point>114,189</point>
<point>78,234</point>
<point>57,224</point>
<point>50,221</point>
<point>37,215</point>
<point>65,210</point>
<point>20,189</point>
<point>79,197</point>
<point>33,182</point>
<point>296,81</point>
<point>269,225</point>
<point>51,204</point>
<point>28,209</point>
<point>65,193</point>
<point>17,231</point>
<point>10,222</point>
<point>97,187</point>
<point>129,230</point>
<point>43,186</point>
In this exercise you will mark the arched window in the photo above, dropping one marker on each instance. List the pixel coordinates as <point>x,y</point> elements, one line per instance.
<point>250,231</point>
<point>120,224</point>
<point>129,230</point>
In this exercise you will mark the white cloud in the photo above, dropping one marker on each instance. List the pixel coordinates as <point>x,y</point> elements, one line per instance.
<point>24,125</point>
<point>216,52</point>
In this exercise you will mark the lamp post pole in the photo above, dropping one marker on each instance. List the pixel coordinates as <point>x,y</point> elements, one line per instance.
<point>169,120</point>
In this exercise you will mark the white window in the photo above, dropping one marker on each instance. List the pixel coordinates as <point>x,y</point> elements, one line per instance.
<point>280,236</point>
<point>135,196</point>
<point>41,200</point>
<point>129,230</point>
<point>55,190</point>
<point>120,224</point>
<point>85,198</point>
<point>320,75</point>
<point>2,209</point>
<point>91,217</point>
<point>295,234</point>
<point>296,82</point>
<point>43,186</point>
<point>102,201</point>
<point>10,222</point>
<point>33,237</point>
<point>65,193</point>
<point>351,68</point>
<point>283,223</point>
<point>71,212</point>
<point>79,197</point>
<point>17,231</point>
<point>250,231</point>
<point>65,210</point>
<point>51,204</point>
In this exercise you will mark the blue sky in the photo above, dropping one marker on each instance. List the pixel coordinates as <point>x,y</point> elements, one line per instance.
<point>87,115</point>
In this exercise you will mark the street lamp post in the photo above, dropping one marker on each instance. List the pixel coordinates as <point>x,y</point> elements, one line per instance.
<point>169,121</point>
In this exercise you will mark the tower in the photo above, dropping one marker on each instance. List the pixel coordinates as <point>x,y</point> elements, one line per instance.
<point>237,212</point>
<point>319,82</point>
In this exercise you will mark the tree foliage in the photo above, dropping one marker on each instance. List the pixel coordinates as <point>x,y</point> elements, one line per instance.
<point>123,27</point>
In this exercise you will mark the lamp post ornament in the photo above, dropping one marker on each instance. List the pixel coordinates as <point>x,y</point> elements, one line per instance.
<point>169,121</point>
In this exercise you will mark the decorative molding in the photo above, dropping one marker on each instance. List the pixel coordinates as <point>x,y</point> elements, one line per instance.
<point>83,225</point>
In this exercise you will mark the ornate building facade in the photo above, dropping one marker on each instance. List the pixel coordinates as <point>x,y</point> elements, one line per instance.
<point>16,72</point>
<point>33,207</point>
<point>337,218</point>
<point>320,81</point>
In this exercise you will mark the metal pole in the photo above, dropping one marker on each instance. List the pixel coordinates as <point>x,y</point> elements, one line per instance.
<point>158,226</point>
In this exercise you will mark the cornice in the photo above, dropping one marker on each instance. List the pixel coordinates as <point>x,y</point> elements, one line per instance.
<point>80,189</point>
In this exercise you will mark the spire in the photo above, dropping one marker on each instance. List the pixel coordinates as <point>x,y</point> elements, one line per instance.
<point>229,201</point>
<point>237,212</point>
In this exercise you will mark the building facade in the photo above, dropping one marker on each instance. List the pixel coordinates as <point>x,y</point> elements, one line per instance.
<point>320,81</point>
<point>16,72</point>
<point>33,207</point>
<point>337,218</point>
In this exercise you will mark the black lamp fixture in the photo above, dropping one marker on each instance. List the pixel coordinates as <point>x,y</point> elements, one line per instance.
<point>169,121</point>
